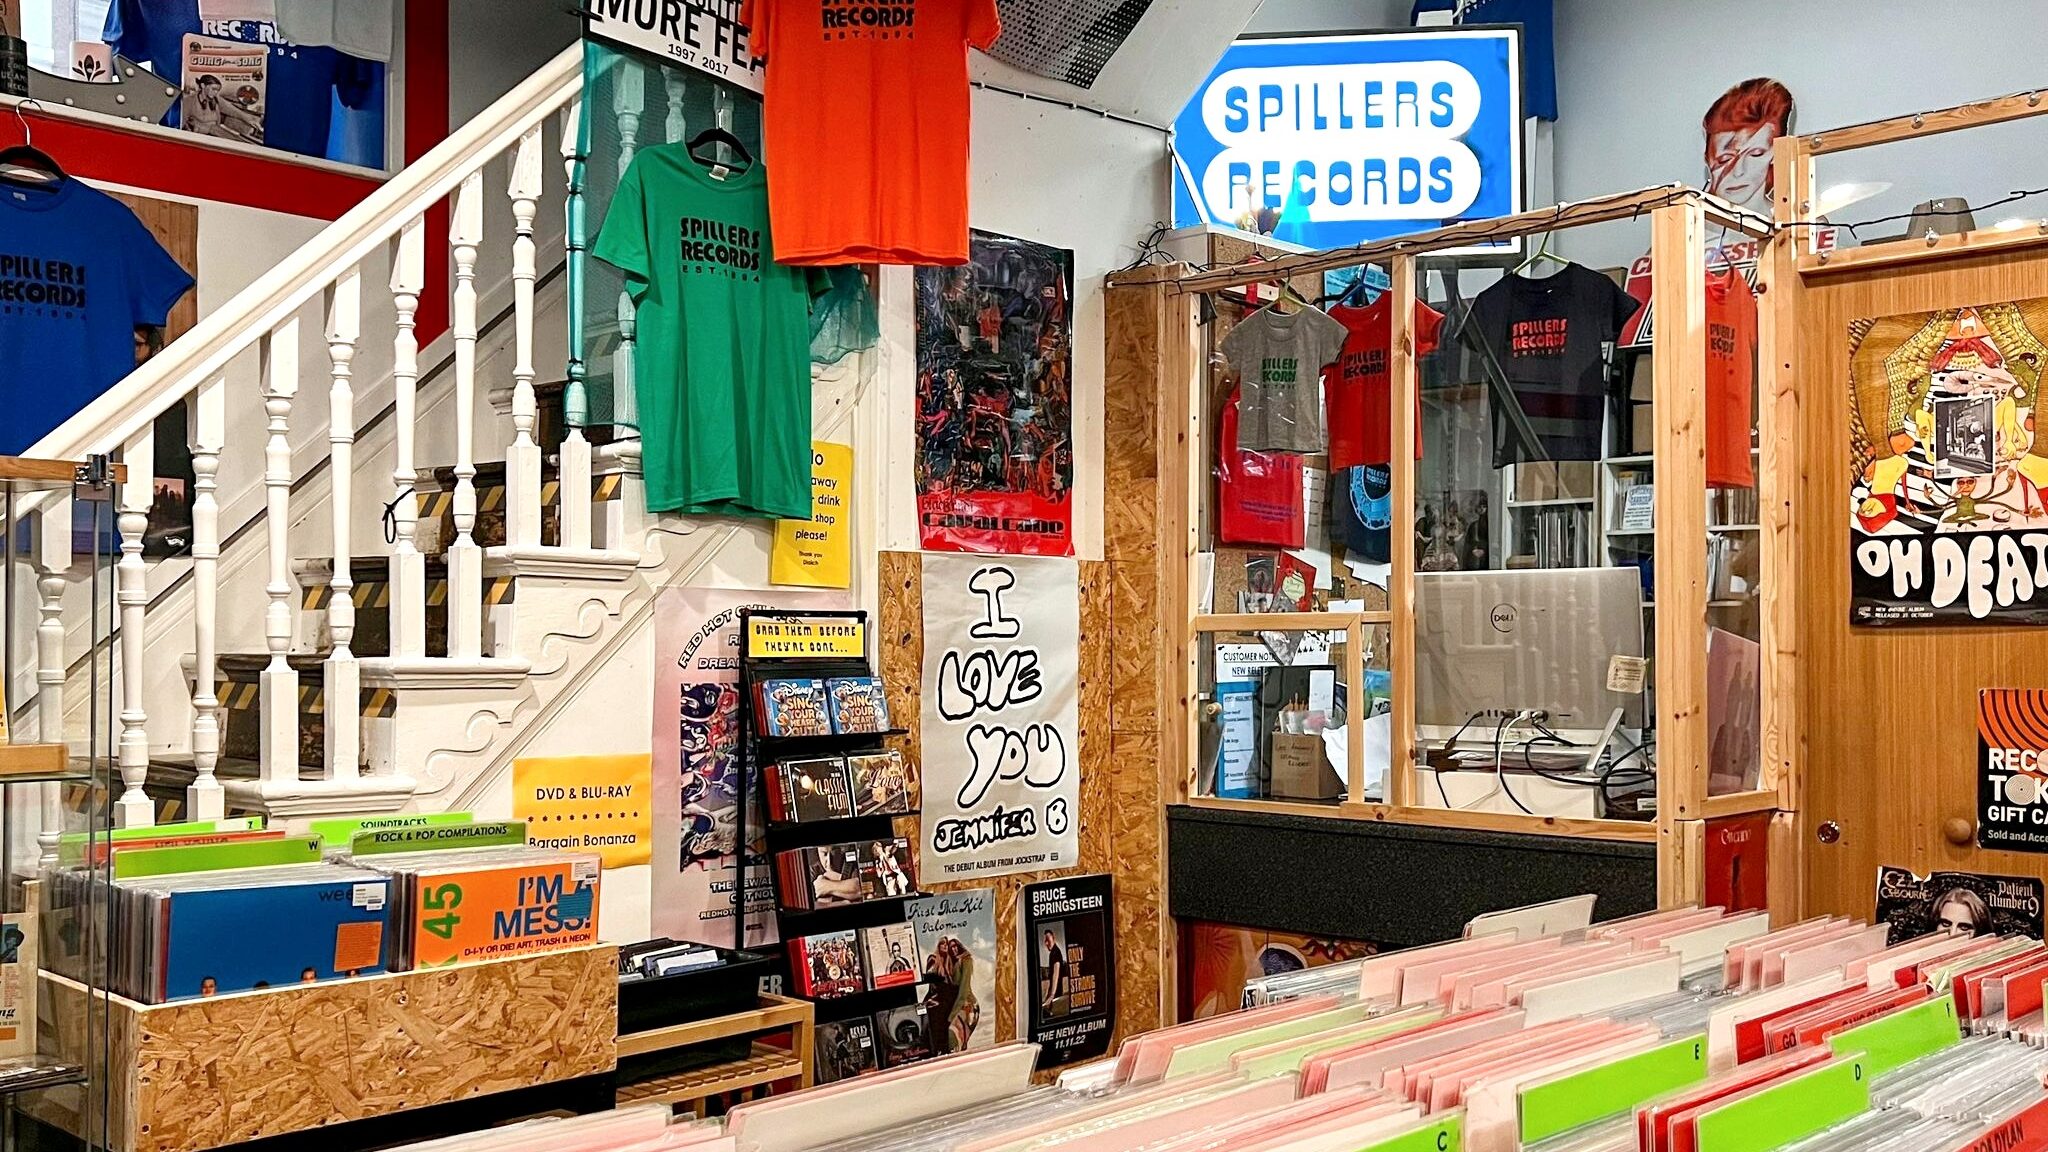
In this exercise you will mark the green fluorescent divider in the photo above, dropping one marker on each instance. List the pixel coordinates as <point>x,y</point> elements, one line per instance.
<point>1563,1104</point>
<point>342,833</point>
<point>1292,1059</point>
<point>139,862</point>
<point>1793,1110</point>
<point>1446,1135</point>
<point>383,841</point>
<point>1214,1055</point>
<point>1902,1037</point>
<point>71,845</point>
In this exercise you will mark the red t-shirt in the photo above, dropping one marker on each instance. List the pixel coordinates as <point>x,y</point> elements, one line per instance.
<point>1258,494</point>
<point>865,124</point>
<point>1731,379</point>
<point>1359,416</point>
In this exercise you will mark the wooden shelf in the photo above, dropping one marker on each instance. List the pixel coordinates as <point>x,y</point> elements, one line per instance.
<point>763,1065</point>
<point>773,1012</point>
<point>24,763</point>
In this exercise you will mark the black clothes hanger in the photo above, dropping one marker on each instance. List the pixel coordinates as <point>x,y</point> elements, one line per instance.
<point>716,135</point>
<point>25,163</point>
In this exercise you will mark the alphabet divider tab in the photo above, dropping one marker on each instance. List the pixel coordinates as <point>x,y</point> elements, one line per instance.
<point>341,833</point>
<point>1610,1089</point>
<point>141,862</point>
<point>1800,1106</point>
<point>1903,1036</point>
<point>1445,1135</point>
<point>383,841</point>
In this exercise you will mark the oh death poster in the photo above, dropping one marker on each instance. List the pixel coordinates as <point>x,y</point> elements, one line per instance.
<point>1947,519</point>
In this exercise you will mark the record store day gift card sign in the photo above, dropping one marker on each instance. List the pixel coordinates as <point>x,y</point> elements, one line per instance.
<point>1000,725</point>
<point>2012,769</point>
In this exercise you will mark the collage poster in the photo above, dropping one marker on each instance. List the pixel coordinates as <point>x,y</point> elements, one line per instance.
<point>1066,968</point>
<point>995,420</point>
<point>697,773</point>
<point>1948,517</point>
<point>956,931</point>
<point>1001,717</point>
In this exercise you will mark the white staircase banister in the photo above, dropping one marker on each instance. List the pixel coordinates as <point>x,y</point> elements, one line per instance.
<point>204,351</point>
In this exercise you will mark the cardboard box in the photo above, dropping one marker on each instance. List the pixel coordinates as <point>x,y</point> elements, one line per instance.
<point>1301,771</point>
<point>1556,480</point>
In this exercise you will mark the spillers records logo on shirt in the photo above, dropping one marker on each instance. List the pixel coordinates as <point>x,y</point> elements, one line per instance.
<point>1540,338</point>
<point>716,248</point>
<point>867,19</point>
<point>41,287</point>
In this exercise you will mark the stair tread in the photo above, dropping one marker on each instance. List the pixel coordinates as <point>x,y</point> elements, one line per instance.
<point>250,663</point>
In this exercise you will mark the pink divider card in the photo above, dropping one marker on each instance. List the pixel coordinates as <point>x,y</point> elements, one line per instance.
<point>1367,1064</point>
<point>1604,988</point>
<point>1812,959</point>
<point>1706,948</point>
<point>1492,1101</point>
<point>1760,951</point>
<point>1419,980</point>
<point>1152,1052</point>
<point>1608,929</point>
<point>1972,983</point>
<point>1772,971</point>
<point>1737,963</point>
<point>1446,980</point>
<point>1415,1017</point>
<point>1723,1022</point>
<point>1447,1090</point>
<point>1467,987</point>
<point>1142,1131</point>
<point>1414,1081</point>
<point>882,1100</point>
<point>1111,1109</point>
<point>1508,991</point>
<point>1225,1137</point>
<point>1379,977</point>
<point>1644,933</point>
<point>1355,1129</point>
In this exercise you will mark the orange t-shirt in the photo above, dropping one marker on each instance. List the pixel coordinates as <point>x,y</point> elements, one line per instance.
<point>865,126</point>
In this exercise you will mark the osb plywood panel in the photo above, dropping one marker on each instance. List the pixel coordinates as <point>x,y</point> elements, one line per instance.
<point>1889,712</point>
<point>1134,698</point>
<point>1102,773</point>
<point>208,1073</point>
<point>1131,327</point>
<point>1130,518</point>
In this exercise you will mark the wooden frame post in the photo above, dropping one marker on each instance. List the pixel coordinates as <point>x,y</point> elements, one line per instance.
<point>1403,387</point>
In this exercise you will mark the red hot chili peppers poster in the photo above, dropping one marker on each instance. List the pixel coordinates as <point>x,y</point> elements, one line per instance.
<point>995,422</point>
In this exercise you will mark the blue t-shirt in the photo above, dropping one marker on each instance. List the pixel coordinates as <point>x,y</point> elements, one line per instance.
<point>299,92</point>
<point>78,273</point>
<point>1539,61</point>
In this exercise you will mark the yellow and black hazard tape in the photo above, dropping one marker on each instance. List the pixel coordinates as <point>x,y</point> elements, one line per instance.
<point>377,594</point>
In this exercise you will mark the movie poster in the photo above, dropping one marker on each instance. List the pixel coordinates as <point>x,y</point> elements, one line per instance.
<point>956,933</point>
<point>1962,903</point>
<point>1947,520</point>
<point>2012,769</point>
<point>995,439</point>
<point>697,777</point>
<point>1066,968</point>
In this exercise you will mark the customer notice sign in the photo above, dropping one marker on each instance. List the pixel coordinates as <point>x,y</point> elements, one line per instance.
<point>703,34</point>
<point>1328,141</point>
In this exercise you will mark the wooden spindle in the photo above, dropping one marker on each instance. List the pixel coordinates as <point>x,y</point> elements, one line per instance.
<point>675,125</point>
<point>278,690</point>
<point>575,467</point>
<point>408,566</point>
<point>522,465</point>
<point>137,492</point>
<point>342,676</point>
<point>628,102</point>
<point>53,563</point>
<point>465,559</point>
<point>203,799</point>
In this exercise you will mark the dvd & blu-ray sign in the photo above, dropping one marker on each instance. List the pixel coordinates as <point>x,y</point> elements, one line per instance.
<point>1329,141</point>
<point>703,34</point>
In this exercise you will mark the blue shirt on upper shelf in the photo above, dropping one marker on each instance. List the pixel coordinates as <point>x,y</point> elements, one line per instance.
<point>299,89</point>
<point>78,273</point>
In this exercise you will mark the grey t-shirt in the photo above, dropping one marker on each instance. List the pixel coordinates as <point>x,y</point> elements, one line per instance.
<point>1280,359</point>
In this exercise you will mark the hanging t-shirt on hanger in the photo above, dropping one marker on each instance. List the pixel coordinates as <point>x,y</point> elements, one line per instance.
<point>865,124</point>
<point>722,367</point>
<point>1550,341</point>
<point>78,274</point>
<point>1731,378</point>
<point>1259,497</point>
<point>1280,358</point>
<point>1360,417</point>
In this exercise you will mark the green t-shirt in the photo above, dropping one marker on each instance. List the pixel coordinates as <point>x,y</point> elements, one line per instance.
<point>722,368</point>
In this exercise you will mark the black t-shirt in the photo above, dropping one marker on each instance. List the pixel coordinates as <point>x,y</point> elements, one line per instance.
<point>1550,340</point>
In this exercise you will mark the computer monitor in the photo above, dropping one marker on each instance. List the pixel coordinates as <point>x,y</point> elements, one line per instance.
<point>1501,642</point>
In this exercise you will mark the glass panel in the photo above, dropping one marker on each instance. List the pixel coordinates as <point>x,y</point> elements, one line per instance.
<point>1276,723</point>
<point>1532,620</point>
<point>1734,537</point>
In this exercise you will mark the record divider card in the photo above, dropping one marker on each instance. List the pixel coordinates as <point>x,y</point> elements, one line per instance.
<point>788,646</point>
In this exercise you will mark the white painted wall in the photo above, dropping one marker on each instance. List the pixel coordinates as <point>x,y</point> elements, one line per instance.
<point>1635,78</point>
<point>494,44</point>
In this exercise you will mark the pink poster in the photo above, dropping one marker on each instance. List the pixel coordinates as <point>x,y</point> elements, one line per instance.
<point>697,777</point>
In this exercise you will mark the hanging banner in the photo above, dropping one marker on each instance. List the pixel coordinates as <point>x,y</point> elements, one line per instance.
<point>595,804</point>
<point>2012,769</point>
<point>1948,521</point>
<point>1963,903</point>
<point>995,424</point>
<point>1066,968</point>
<point>1002,767</point>
<point>697,771</point>
<point>818,553</point>
<point>703,34</point>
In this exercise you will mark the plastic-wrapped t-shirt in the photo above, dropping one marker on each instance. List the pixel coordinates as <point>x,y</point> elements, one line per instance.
<point>1279,357</point>
<point>844,319</point>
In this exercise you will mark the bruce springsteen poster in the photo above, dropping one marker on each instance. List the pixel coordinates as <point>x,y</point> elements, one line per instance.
<point>1066,964</point>
<point>995,437</point>
<point>1947,522</point>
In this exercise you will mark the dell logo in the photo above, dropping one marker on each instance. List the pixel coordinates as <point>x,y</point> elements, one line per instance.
<point>1503,618</point>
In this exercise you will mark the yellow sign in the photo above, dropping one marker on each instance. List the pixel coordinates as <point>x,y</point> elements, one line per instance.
<point>602,804</point>
<point>818,553</point>
<point>804,638</point>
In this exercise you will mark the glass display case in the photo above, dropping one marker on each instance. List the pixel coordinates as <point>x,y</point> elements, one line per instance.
<point>57,715</point>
